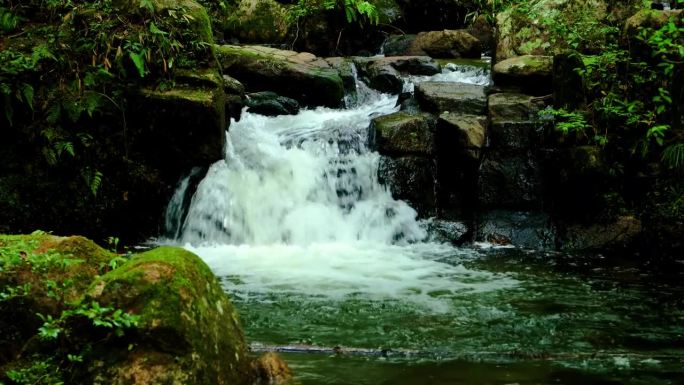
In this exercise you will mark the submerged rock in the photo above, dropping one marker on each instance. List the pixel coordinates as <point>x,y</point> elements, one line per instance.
<point>271,104</point>
<point>531,230</point>
<point>617,234</point>
<point>270,369</point>
<point>297,75</point>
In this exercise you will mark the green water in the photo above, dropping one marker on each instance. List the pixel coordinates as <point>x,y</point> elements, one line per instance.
<point>567,320</point>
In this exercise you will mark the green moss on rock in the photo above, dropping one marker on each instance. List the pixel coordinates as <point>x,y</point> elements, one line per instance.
<point>184,314</point>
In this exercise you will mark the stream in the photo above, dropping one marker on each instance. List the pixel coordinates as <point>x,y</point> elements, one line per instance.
<point>327,268</point>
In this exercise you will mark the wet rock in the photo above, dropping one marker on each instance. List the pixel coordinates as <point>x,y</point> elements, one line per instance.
<point>529,73</point>
<point>452,97</point>
<point>518,135</point>
<point>179,128</point>
<point>271,104</point>
<point>347,71</point>
<point>408,65</point>
<point>297,75</point>
<point>618,234</point>
<point>509,178</point>
<point>443,231</point>
<point>270,369</point>
<point>462,133</point>
<point>510,107</point>
<point>188,330</point>
<point>384,78</point>
<point>412,179</point>
<point>401,134</point>
<point>438,44</point>
<point>530,230</point>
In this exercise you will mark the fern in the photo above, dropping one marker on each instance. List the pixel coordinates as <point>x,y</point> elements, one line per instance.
<point>93,180</point>
<point>673,156</point>
<point>65,146</point>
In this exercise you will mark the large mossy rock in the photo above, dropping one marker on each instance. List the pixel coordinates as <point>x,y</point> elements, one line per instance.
<point>529,73</point>
<point>401,133</point>
<point>189,330</point>
<point>301,76</point>
<point>544,27</point>
<point>31,261</point>
<point>257,21</point>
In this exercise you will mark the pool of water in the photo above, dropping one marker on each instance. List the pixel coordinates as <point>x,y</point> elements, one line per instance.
<point>437,315</point>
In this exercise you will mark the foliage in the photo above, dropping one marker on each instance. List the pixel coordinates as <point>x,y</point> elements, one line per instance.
<point>72,66</point>
<point>359,11</point>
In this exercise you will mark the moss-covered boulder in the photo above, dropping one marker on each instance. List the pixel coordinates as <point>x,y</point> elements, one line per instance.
<point>298,75</point>
<point>401,133</point>
<point>529,73</point>
<point>39,274</point>
<point>257,21</point>
<point>188,331</point>
<point>73,312</point>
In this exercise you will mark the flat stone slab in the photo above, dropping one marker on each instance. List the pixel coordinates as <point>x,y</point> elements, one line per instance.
<point>452,97</point>
<point>510,107</point>
<point>302,76</point>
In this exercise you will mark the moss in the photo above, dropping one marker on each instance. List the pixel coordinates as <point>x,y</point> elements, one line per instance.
<point>183,311</point>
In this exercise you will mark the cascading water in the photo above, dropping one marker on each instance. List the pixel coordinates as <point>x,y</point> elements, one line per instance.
<point>296,206</point>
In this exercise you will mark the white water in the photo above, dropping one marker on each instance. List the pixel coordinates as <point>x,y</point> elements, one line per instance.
<point>296,207</point>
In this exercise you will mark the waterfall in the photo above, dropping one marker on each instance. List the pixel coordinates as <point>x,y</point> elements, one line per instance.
<point>300,179</point>
<point>296,207</point>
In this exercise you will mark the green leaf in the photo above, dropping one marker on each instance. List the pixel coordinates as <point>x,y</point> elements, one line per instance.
<point>27,92</point>
<point>156,31</point>
<point>139,61</point>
